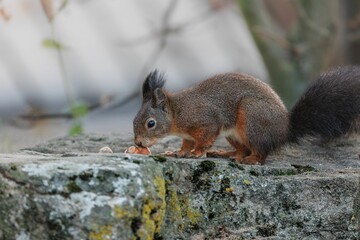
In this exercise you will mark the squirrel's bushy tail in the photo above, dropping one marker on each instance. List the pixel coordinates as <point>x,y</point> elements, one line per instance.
<point>329,108</point>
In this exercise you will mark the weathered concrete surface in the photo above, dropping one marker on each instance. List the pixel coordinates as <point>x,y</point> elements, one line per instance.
<point>65,190</point>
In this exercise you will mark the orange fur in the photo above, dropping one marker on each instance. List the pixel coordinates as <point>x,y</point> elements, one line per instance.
<point>204,139</point>
<point>243,149</point>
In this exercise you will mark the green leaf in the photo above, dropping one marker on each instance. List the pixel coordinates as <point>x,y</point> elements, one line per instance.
<point>52,43</point>
<point>76,129</point>
<point>79,110</point>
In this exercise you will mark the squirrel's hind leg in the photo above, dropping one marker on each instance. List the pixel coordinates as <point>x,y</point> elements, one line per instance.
<point>248,133</point>
<point>244,154</point>
<point>253,159</point>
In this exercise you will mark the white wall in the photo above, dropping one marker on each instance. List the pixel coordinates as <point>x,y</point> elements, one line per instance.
<point>111,45</point>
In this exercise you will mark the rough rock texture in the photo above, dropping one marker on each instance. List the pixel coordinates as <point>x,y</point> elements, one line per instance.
<point>64,189</point>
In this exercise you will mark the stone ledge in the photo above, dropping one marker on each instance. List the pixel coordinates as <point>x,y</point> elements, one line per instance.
<point>64,190</point>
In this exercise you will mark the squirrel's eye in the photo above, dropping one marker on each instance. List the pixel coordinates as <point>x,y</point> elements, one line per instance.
<point>151,123</point>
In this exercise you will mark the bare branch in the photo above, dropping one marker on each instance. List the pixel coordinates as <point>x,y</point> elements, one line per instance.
<point>67,115</point>
<point>163,34</point>
<point>313,26</point>
<point>166,30</point>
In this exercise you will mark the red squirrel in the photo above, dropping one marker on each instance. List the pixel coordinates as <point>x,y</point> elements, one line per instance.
<point>248,112</point>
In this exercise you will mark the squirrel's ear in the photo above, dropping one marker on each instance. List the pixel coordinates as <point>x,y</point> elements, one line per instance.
<point>158,98</point>
<point>153,81</point>
<point>146,89</point>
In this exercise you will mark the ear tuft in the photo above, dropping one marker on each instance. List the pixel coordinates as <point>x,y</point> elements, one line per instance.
<point>154,80</point>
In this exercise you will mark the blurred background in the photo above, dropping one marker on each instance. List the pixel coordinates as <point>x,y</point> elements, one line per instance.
<point>70,67</point>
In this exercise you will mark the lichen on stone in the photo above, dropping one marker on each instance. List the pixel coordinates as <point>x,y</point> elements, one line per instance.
<point>192,215</point>
<point>148,227</point>
<point>246,182</point>
<point>180,210</point>
<point>174,210</point>
<point>146,222</point>
<point>125,212</point>
<point>159,207</point>
<point>103,233</point>
<point>153,211</point>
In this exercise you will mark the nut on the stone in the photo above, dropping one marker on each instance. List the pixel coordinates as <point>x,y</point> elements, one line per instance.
<point>169,153</point>
<point>138,150</point>
<point>105,150</point>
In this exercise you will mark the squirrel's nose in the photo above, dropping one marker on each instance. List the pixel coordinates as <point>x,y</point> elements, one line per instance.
<point>138,142</point>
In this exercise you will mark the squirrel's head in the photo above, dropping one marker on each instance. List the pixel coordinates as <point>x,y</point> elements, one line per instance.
<point>153,121</point>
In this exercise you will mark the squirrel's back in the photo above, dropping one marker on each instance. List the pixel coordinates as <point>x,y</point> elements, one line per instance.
<point>225,92</point>
<point>245,108</point>
<point>236,85</point>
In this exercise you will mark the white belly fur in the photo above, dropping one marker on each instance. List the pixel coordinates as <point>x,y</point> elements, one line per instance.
<point>224,133</point>
<point>232,132</point>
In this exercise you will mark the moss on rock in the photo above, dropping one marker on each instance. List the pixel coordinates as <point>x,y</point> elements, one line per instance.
<point>72,187</point>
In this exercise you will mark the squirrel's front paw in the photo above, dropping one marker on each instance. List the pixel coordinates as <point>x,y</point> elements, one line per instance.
<point>182,154</point>
<point>194,154</point>
<point>176,154</point>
